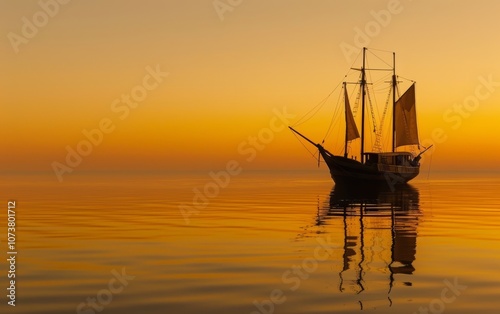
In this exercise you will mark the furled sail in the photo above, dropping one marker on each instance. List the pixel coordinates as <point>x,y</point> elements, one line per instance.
<point>406,119</point>
<point>351,129</point>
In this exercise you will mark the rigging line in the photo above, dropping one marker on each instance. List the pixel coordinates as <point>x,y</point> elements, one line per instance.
<point>316,108</point>
<point>389,65</point>
<point>382,89</point>
<point>355,60</point>
<point>382,50</point>
<point>371,108</point>
<point>369,134</point>
<point>376,103</point>
<point>404,78</point>
<point>322,103</point>
<point>383,79</point>
<point>370,94</point>
<point>339,138</point>
<point>333,117</point>
<point>378,83</point>
<point>388,132</point>
<point>388,138</point>
<point>301,142</point>
<point>380,131</point>
<point>416,117</point>
<point>356,101</point>
<point>308,115</point>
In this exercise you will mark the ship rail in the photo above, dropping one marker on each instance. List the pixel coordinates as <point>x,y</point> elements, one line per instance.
<point>397,169</point>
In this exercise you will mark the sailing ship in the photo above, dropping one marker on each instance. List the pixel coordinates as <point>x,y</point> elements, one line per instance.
<point>394,166</point>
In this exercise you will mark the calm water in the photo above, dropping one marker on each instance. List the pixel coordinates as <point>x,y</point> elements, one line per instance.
<point>290,237</point>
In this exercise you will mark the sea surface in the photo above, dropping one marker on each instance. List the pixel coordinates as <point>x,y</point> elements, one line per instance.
<point>256,242</point>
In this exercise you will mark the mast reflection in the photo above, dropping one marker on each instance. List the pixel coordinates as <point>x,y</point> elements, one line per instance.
<point>379,236</point>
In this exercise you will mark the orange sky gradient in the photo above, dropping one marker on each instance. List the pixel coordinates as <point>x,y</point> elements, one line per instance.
<point>227,76</point>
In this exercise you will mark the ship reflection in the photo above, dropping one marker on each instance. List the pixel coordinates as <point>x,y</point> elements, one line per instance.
<point>379,240</point>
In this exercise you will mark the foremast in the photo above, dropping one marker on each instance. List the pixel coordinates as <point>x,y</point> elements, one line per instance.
<point>363,96</point>
<point>394,86</point>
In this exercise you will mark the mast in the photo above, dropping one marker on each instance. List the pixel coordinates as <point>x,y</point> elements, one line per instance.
<point>394,82</point>
<point>346,126</point>
<point>363,93</point>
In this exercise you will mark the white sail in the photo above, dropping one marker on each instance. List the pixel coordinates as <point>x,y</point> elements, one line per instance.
<point>406,119</point>
<point>351,129</point>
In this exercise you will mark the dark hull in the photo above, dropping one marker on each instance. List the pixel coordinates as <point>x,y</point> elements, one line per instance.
<point>348,171</point>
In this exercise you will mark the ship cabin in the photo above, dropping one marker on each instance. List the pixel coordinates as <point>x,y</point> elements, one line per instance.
<point>390,160</point>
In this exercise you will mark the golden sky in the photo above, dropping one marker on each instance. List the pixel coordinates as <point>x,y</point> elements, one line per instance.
<point>231,65</point>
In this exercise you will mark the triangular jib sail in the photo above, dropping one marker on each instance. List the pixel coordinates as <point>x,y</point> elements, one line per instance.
<point>406,119</point>
<point>351,129</point>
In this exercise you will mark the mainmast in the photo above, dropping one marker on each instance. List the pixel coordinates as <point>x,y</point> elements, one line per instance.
<point>346,123</point>
<point>363,95</point>
<point>394,83</point>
